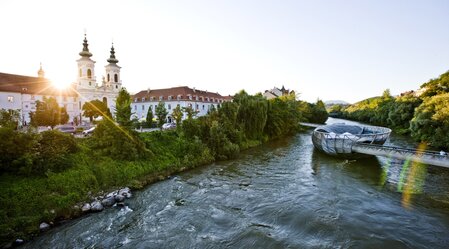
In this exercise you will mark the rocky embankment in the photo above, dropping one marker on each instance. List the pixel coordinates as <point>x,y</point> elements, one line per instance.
<point>97,204</point>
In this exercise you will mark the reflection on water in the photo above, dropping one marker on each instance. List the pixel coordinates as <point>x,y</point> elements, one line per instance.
<point>280,195</point>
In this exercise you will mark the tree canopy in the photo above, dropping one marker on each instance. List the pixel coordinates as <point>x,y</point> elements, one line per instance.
<point>94,109</point>
<point>123,108</point>
<point>49,113</point>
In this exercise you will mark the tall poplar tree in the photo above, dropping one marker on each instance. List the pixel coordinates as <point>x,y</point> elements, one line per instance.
<point>123,108</point>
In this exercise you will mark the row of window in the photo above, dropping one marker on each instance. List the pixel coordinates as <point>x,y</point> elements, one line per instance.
<point>89,75</point>
<point>153,107</point>
<point>33,97</point>
<point>179,97</point>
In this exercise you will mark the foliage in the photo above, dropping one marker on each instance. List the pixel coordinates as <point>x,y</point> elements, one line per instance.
<point>252,114</point>
<point>150,116</point>
<point>402,111</point>
<point>94,109</point>
<point>431,121</point>
<point>123,108</point>
<point>9,118</point>
<point>177,114</point>
<point>117,142</point>
<point>48,113</point>
<point>436,86</point>
<point>319,114</point>
<point>161,114</point>
<point>35,154</point>
<point>190,112</point>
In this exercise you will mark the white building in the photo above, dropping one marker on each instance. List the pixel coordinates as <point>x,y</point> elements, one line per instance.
<point>20,92</point>
<point>276,92</point>
<point>198,100</point>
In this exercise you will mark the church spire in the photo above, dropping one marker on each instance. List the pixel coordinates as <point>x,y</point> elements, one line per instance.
<point>85,52</point>
<point>41,73</point>
<point>112,58</point>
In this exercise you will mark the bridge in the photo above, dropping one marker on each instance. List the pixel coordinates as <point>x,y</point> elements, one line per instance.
<point>350,144</point>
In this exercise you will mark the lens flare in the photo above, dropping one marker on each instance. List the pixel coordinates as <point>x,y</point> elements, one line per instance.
<point>415,179</point>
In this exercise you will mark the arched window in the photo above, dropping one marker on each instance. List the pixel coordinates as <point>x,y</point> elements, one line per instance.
<point>89,73</point>
<point>81,73</point>
<point>105,101</point>
<point>109,78</point>
<point>115,78</point>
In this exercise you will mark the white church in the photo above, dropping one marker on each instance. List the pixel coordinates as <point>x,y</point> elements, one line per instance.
<point>19,92</point>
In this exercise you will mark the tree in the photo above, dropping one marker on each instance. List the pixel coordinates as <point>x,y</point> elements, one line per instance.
<point>177,115</point>
<point>9,118</point>
<point>161,113</point>
<point>94,109</point>
<point>190,112</point>
<point>431,121</point>
<point>123,108</point>
<point>48,113</point>
<point>149,117</point>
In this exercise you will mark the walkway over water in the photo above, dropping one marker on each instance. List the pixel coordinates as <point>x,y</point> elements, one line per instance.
<point>427,157</point>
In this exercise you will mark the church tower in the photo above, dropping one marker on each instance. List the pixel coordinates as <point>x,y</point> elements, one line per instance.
<point>113,80</point>
<point>41,73</point>
<point>86,68</point>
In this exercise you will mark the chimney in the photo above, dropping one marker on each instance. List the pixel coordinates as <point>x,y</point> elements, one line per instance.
<point>148,90</point>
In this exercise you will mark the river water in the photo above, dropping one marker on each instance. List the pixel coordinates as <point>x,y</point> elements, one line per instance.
<point>283,194</point>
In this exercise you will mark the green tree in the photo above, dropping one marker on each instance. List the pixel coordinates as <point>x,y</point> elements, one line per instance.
<point>190,112</point>
<point>402,112</point>
<point>150,116</point>
<point>94,109</point>
<point>431,121</point>
<point>123,108</point>
<point>48,113</point>
<point>436,86</point>
<point>319,114</point>
<point>161,113</point>
<point>177,115</point>
<point>252,114</point>
<point>9,118</point>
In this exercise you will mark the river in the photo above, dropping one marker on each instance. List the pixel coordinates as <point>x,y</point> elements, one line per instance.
<point>283,194</point>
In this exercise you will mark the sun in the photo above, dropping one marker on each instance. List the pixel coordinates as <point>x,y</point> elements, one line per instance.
<point>60,81</point>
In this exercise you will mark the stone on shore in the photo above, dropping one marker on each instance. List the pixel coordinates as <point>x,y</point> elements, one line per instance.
<point>108,201</point>
<point>96,206</point>
<point>44,226</point>
<point>86,207</point>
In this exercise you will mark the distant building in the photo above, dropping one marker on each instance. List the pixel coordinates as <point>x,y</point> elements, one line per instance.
<point>21,92</point>
<point>199,100</point>
<point>276,92</point>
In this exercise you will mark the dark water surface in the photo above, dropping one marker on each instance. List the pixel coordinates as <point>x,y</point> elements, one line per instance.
<point>280,195</point>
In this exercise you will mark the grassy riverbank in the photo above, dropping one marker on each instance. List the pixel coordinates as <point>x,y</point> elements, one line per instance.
<point>45,175</point>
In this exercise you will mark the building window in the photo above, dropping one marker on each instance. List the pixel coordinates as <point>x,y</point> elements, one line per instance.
<point>161,97</point>
<point>143,99</point>
<point>81,73</point>
<point>179,97</point>
<point>135,108</point>
<point>203,107</point>
<point>190,97</point>
<point>109,78</point>
<point>169,106</point>
<point>169,97</point>
<point>136,99</point>
<point>151,98</point>
<point>196,107</point>
<point>89,74</point>
<point>10,99</point>
<point>143,107</point>
<point>115,78</point>
<point>196,98</point>
<point>207,99</point>
<point>105,101</point>
<point>90,83</point>
<point>116,86</point>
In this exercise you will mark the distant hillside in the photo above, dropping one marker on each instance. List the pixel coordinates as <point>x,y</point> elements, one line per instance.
<point>336,102</point>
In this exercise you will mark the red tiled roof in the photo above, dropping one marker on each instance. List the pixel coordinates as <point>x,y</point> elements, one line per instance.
<point>31,85</point>
<point>182,91</point>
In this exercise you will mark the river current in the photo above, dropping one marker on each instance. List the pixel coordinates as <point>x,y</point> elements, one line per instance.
<point>283,194</point>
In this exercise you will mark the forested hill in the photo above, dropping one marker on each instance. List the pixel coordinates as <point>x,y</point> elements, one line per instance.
<point>424,113</point>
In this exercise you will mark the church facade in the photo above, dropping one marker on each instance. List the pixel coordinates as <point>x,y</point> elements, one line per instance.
<point>19,92</point>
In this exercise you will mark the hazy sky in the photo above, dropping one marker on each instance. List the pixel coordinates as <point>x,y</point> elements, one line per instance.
<point>345,49</point>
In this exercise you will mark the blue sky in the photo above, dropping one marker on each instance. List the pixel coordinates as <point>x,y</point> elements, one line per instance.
<point>347,50</point>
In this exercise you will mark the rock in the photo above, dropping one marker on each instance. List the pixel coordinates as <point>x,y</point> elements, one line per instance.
<point>96,206</point>
<point>126,192</point>
<point>18,242</point>
<point>108,201</point>
<point>119,198</point>
<point>44,226</point>
<point>180,202</point>
<point>112,194</point>
<point>245,183</point>
<point>86,207</point>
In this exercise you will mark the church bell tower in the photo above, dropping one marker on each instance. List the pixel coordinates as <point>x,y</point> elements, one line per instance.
<point>86,68</point>
<point>113,80</point>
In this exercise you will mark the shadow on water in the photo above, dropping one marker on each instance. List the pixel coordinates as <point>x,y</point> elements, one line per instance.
<point>366,169</point>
